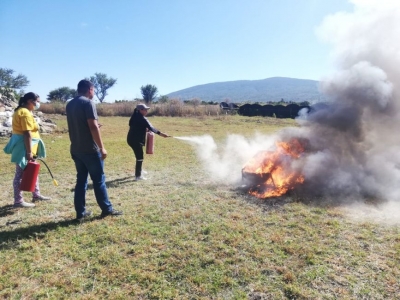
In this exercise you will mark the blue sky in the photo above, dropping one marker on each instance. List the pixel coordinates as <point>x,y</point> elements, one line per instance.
<point>173,44</point>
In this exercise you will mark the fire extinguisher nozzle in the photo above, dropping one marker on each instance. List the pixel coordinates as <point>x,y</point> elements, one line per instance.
<point>48,169</point>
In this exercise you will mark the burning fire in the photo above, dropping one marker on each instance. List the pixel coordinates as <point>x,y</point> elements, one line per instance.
<point>270,172</point>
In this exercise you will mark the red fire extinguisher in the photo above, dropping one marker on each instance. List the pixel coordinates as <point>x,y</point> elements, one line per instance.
<point>29,176</point>
<point>150,143</point>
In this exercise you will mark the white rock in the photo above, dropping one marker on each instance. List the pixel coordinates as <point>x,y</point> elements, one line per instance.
<point>8,122</point>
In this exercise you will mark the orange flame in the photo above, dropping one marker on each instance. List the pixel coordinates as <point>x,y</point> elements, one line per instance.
<point>272,170</point>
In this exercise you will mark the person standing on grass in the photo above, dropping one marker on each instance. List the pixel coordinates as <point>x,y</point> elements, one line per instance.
<point>138,126</point>
<point>24,145</point>
<point>87,151</point>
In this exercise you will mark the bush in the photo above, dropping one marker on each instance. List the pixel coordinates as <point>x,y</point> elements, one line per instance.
<point>124,109</point>
<point>55,107</point>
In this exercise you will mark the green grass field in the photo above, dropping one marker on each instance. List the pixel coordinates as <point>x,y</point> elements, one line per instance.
<point>183,236</point>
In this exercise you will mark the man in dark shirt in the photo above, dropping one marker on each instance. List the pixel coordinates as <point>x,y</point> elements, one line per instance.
<point>87,151</point>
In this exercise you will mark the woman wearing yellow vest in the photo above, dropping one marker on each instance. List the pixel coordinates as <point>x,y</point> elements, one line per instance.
<point>25,143</point>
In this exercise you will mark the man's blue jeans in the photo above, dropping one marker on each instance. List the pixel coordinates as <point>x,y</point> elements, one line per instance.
<point>90,164</point>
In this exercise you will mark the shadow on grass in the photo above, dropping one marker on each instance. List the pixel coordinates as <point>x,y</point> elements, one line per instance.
<point>6,210</point>
<point>9,239</point>
<point>307,198</point>
<point>121,181</point>
<point>292,196</point>
<point>112,183</point>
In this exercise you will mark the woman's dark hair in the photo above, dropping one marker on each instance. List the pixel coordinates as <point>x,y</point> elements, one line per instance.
<point>135,112</point>
<point>23,100</point>
<point>83,86</point>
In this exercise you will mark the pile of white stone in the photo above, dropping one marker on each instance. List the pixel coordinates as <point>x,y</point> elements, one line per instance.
<point>7,106</point>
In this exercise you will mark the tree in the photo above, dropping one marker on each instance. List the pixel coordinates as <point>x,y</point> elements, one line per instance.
<point>8,80</point>
<point>195,102</point>
<point>163,99</point>
<point>149,93</point>
<point>305,103</point>
<point>10,83</point>
<point>61,94</point>
<point>101,84</point>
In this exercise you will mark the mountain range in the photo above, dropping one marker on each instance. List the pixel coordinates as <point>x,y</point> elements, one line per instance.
<point>264,90</point>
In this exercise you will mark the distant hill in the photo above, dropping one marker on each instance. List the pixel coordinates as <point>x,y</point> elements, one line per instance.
<point>270,89</point>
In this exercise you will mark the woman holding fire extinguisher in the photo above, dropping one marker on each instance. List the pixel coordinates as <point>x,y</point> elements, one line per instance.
<point>138,126</point>
<point>24,145</point>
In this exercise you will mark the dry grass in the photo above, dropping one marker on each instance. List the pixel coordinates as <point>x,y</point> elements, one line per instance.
<point>173,108</point>
<point>183,236</point>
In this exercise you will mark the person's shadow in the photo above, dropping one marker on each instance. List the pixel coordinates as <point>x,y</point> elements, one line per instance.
<point>111,183</point>
<point>6,210</point>
<point>9,237</point>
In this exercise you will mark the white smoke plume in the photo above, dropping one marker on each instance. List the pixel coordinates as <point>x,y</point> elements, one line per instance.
<point>352,143</point>
<point>224,163</point>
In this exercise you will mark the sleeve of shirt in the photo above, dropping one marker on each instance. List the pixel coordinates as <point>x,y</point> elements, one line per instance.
<point>150,127</point>
<point>91,111</point>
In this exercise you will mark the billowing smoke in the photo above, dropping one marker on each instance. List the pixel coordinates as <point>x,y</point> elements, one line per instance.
<point>352,144</point>
<point>351,138</point>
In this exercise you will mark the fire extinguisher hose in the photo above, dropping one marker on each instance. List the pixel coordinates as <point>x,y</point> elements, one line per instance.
<point>54,181</point>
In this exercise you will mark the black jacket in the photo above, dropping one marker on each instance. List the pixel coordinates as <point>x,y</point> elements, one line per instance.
<point>137,128</point>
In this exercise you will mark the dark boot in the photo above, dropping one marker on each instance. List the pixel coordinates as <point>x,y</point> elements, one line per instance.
<point>138,168</point>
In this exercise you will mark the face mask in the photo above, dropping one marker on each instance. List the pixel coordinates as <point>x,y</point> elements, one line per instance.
<point>37,105</point>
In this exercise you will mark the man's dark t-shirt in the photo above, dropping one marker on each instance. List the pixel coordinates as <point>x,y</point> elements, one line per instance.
<point>79,110</point>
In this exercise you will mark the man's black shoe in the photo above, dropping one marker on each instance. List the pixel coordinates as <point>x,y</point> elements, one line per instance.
<point>111,213</point>
<point>86,214</point>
